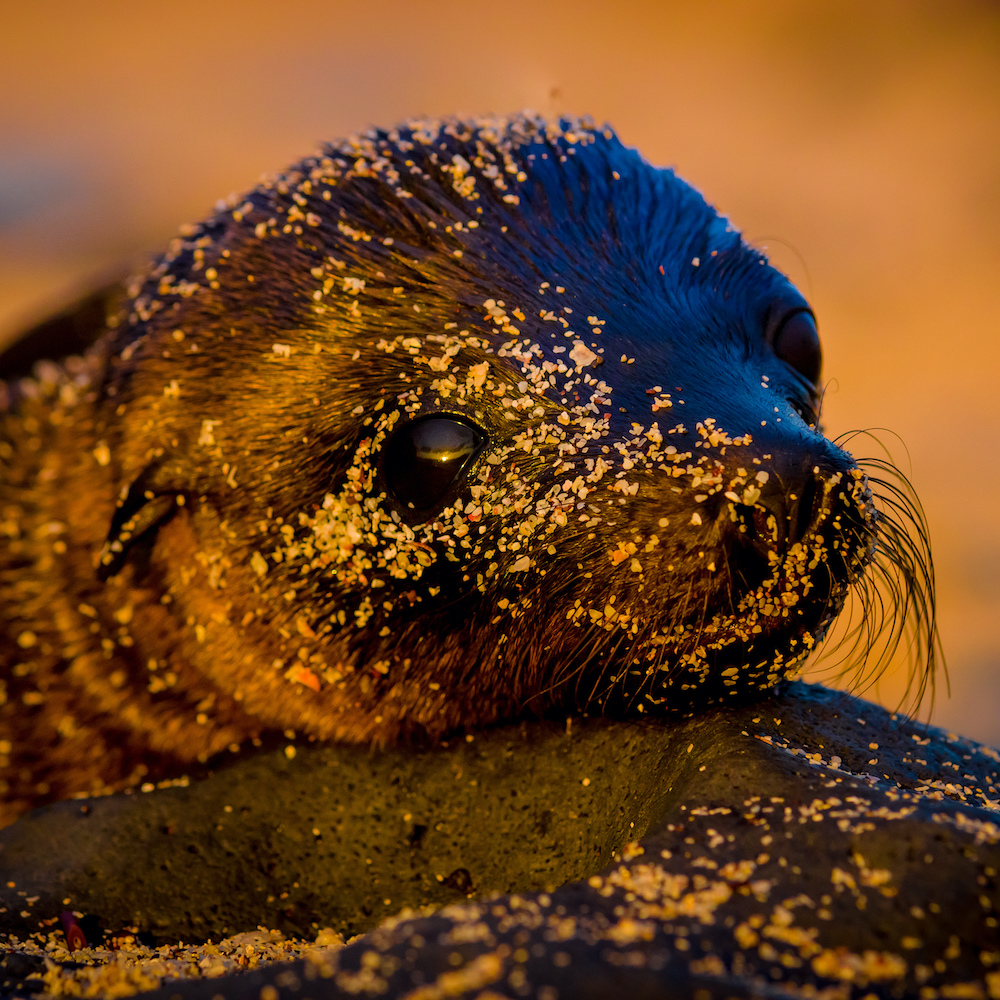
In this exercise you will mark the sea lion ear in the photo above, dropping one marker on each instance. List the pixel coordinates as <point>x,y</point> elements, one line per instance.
<point>147,505</point>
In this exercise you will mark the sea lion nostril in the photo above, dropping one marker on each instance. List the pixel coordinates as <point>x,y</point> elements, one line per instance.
<point>767,525</point>
<point>785,512</point>
<point>801,510</point>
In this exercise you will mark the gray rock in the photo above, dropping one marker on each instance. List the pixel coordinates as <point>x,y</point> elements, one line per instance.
<point>343,836</point>
<point>808,844</point>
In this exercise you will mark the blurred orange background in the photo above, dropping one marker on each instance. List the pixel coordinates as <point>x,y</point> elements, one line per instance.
<point>859,142</point>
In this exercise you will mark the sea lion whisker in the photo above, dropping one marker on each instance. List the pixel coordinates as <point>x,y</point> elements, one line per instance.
<point>897,596</point>
<point>570,664</point>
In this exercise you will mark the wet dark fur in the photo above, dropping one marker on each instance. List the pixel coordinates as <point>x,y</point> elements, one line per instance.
<point>202,542</point>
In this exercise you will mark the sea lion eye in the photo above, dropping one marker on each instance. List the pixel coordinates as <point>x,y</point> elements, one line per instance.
<point>423,459</point>
<point>795,341</point>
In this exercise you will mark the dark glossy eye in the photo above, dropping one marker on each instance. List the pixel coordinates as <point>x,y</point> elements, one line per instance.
<point>424,459</point>
<point>796,341</point>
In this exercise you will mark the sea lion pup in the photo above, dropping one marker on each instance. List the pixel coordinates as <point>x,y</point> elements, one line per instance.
<point>446,424</point>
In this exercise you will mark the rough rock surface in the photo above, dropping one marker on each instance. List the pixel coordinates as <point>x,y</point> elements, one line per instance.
<point>808,845</point>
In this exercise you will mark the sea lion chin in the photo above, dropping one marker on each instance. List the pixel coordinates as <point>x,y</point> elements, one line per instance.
<point>445,425</point>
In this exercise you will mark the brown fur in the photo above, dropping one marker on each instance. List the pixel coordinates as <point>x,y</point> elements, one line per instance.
<point>200,543</point>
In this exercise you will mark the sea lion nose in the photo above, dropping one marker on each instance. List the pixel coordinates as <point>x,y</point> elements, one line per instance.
<point>794,495</point>
<point>784,509</point>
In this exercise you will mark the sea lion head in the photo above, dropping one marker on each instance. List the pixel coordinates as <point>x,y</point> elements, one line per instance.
<point>465,419</point>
